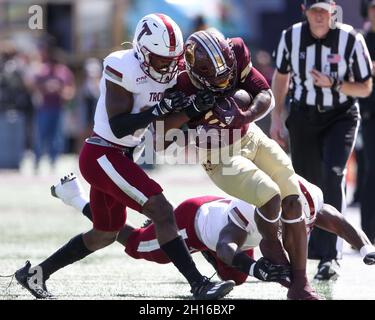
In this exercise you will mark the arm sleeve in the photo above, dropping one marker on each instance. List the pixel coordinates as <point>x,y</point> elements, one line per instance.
<point>362,64</point>
<point>282,55</point>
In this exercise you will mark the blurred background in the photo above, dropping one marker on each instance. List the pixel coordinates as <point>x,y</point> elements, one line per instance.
<point>49,76</point>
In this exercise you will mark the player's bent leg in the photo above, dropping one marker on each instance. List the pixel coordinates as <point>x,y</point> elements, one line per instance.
<point>267,217</point>
<point>294,231</point>
<point>275,162</point>
<point>295,242</point>
<point>270,244</point>
<point>331,220</point>
<point>97,239</point>
<point>70,191</point>
<point>112,173</point>
<point>160,211</point>
<point>248,183</point>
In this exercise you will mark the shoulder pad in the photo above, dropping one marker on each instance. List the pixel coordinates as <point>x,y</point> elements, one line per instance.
<point>119,67</point>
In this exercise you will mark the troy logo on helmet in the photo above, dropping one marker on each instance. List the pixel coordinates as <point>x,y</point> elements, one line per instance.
<point>145,30</point>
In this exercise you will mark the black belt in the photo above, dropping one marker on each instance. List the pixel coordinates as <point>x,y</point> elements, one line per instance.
<point>296,105</point>
<point>104,143</point>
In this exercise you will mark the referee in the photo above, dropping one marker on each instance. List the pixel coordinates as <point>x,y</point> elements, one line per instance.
<point>326,67</point>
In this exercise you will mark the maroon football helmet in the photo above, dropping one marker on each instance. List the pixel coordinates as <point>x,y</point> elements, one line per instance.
<point>210,62</point>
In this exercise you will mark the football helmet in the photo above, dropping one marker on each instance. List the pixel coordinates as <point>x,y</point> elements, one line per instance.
<point>159,45</point>
<point>312,201</point>
<point>210,62</point>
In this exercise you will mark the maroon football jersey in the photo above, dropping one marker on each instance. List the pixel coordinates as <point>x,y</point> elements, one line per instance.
<point>248,79</point>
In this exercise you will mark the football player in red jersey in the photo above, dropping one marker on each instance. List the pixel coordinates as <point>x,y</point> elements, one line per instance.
<point>263,173</point>
<point>224,230</point>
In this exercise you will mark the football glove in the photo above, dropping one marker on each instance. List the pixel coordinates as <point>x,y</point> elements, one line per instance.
<point>266,271</point>
<point>172,99</point>
<point>202,102</point>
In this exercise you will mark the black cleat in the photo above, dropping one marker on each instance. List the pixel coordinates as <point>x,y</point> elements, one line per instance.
<point>326,272</point>
<point>207,290</point>
<point>369,259</point>
<point>25,278</point>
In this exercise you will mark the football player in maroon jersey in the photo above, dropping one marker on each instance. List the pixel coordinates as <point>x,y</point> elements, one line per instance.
<point>263,174</point>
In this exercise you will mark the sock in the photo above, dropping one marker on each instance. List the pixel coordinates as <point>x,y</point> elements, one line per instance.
<point>243,263</point>
<point>87,211</point>
<point>73,251</point>
<point>178,253</point>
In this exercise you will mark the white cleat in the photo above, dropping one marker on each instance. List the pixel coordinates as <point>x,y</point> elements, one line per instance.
<point>70,191</point>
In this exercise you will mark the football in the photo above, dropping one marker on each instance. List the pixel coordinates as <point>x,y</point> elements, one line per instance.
<point>243,99</point>
<point>226,109</point>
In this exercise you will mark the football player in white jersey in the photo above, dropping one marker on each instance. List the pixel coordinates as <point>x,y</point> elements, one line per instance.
<point>132,95</point>
<point>224,230</point>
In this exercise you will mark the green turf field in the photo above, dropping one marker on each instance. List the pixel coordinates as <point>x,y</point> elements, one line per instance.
<point>33,225</point>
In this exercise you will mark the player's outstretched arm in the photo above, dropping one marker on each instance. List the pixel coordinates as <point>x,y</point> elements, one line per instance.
<point>333,221</point>
<point>231,239</point>
<point>119,104</point>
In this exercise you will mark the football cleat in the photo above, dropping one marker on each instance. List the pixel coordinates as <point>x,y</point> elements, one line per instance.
<point>326,271</point>
<point>70,191</point>
<point>26,279</point>
<point>207,290</point>
<point>369,259</point>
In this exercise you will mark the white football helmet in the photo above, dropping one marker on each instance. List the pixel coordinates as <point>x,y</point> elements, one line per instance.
<point>159,45</point>
<point>312,200</point>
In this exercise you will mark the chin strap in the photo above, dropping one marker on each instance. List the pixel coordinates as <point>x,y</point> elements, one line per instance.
<point>266,219</point>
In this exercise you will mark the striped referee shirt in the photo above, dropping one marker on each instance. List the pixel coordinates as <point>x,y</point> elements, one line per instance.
<point>343,55</point>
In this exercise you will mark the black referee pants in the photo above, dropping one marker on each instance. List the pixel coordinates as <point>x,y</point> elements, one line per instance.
<point>368,191</point>
<point>321,144</point>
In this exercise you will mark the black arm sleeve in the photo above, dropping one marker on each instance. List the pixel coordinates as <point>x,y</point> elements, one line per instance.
<point>124,124</point>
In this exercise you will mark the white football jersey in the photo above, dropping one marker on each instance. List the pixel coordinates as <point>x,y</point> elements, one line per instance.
<point>122,67</point>
<point>214,216</point>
